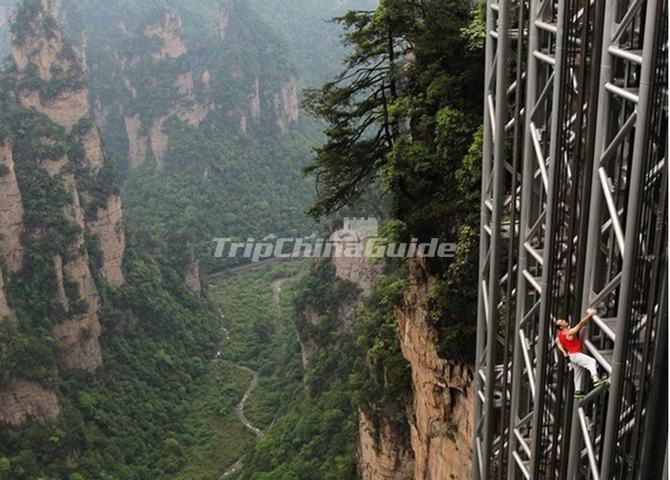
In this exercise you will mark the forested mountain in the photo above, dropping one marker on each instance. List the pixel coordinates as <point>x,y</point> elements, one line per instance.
<point>88,322</point>
<point>199,102</point>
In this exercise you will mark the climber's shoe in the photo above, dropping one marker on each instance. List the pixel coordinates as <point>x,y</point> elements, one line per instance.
<point>600,381</point>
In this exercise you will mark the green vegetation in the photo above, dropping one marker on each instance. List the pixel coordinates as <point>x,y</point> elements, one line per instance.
<point>313,440</point>
<point>123,421</point>
<point>219,437</point>
<point>260,336</point>
<point>314,434</point>
<point>175,363</point>
<point>251,190</point>
<point>381,376</point>
<point>409,117</point>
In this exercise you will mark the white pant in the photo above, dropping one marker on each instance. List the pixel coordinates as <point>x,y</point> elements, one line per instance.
<point>580,363</point>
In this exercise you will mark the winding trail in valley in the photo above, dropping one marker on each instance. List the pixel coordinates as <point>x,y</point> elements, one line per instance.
<point>276,297</point>
<point>240,406</point>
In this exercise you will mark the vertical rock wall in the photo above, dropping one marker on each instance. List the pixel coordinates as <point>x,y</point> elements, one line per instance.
<point>442,427</point>
<point>40,51</point>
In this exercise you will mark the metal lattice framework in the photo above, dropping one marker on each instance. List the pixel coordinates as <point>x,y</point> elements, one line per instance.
<point>574,214</point>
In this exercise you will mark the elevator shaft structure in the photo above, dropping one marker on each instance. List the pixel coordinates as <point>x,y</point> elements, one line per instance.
<point>573,215</point>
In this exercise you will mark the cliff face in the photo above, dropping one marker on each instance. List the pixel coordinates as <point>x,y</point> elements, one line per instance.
<point>22,400</point>
<point>157,72</point>
<point>441,431</point>
<point>286,104</point>
<point>192,273</point>
<point>357,270</point>
<point>49,79</point>
<point>166,45</point>
<point>4,308</point>
<point>382,456</point>
<point>11,211</point>
<point>441,405</point>
<point>40,49</point>
<point>107,225</point>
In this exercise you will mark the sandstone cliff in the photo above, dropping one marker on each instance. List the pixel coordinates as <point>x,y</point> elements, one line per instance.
<point>11,211</point>
<point>49,79</point>
<point>286,104</point>
<point>108,226</point>
<point>192,273</point>
<point>166,83</point>
<point>4,308</point>
<point>441,430</point>
<point>358,270</point>
<point>381,455</point>
<point>42,48</point>
<point>224,17</point>
<point>22,400</point>
<point>170,35</point>
<point>440,412</point>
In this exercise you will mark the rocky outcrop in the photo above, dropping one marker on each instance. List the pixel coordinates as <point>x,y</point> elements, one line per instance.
<point>79,338</point>
<point>382,456</point>
<point>44,46</point>
<point>80,333</point>
<point>358,270</point>
<point>363,272</point>
<point>195,114</point>
<point>4,308</point>
<point>224,17</point>
<point>159,141</point>
<point>137,143</point>
<point>192,274</point>
<point>11,212</point>
<point>108,226</point>
<point>441,431</point>
<point>43,52</point>
<point>170,34</point>
<point>255,101</point>
<point>308,346</point>
<point>65,109</point>
<point>22,400</point>
<point>206,80</point>
<point>92,144</point>
<point>287,104</point>
<point>185,84</point>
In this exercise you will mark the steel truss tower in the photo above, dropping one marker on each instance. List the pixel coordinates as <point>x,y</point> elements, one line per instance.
<point>574,215</point>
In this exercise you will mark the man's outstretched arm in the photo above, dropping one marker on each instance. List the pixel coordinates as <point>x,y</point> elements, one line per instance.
<point>582,323</point>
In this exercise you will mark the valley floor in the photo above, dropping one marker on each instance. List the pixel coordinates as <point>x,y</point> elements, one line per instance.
<point>248,381</point>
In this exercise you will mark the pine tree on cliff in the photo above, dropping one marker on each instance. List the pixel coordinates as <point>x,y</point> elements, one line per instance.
<point>404,109</point>
<point>404,114</point>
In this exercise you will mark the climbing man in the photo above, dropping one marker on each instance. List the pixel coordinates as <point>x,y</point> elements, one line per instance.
<point>570,345</point>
